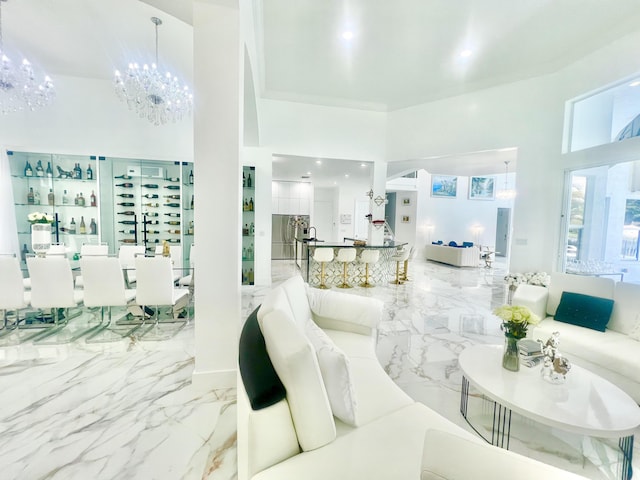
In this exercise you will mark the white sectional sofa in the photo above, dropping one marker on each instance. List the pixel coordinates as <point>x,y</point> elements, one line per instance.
<point>457,256</point>
<point>314,403</point>
<point>614,353</point>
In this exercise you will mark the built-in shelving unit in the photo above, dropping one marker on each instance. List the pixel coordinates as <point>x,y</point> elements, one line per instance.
<point>248,224</point>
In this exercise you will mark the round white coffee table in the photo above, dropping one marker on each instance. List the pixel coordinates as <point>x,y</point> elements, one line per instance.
<point>585,404</point>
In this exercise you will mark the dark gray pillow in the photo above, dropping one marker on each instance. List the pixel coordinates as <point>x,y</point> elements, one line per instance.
<point>261,382</point>
<point>584,310</point>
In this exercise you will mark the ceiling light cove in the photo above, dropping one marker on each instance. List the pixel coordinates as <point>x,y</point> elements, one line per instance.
<point>347,35</point>
<point>635,83</point>
<point>466,53</point>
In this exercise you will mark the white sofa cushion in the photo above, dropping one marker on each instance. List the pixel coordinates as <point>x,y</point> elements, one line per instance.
<point>296,293</point>
<point>443,452</point>
<point>336,374</point>
<point>294,359</point>
<point>626,307</point>
<point>566,282</point>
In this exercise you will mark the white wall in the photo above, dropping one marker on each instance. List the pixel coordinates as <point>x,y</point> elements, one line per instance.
<point>348,193</point>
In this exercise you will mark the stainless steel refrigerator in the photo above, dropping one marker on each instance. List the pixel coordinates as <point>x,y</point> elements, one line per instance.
<point>285,228</point>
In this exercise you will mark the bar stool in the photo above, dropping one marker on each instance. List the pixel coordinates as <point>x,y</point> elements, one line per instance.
<point>368,256</point>
<point>405,273</point>
<point>322,256</point>
<point>399,257</point>
<point>346,256</point>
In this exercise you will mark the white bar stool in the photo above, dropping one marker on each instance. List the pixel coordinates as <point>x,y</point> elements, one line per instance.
<point>322,256</point>
<point>405,273</point>
<point>399,257</point>
<point>368,256</point>
<point>346,256</point>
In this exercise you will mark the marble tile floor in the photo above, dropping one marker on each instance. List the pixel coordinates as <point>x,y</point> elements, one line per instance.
<point>127,409</point>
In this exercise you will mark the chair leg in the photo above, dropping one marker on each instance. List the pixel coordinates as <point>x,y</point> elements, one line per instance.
<point>366,283</point>
<point>344,283</point>
<point>405,272</point>
<point>322,284</point>
<point>398,280</point>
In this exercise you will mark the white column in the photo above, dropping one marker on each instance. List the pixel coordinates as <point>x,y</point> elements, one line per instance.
<point>217,118</point>
<point>379,186</point>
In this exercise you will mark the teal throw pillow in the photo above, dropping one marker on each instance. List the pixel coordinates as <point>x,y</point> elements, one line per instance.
<point>584,310</point>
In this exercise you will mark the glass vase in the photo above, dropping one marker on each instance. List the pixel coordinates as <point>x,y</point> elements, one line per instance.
<point>510,357</point>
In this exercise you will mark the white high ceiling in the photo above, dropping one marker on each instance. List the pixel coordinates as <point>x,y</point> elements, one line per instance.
<point>402,53</point>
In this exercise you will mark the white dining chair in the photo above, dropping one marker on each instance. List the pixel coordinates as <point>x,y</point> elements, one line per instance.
<point>13,296</point>
<point>187,279</point>
<point>55,250</point>
<point>52,289</point>
<point>104,287</point>
<point>175,253</point>
<point>127,255</point>
<point>155,287</point>
<point>90,250</point>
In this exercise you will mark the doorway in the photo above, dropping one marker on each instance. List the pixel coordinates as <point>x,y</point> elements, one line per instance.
<point>503,231</point>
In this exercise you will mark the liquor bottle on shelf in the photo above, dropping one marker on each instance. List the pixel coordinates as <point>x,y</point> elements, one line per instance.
<point>191,178</point>
<point>249,181</point>
<point>150,185</point>
<point>83,227</point>
<point>31,199</point>
<point>171,204</point>
<point>244,180</point>
<point>250,252</point>
<point>126,204</point>
<point>49,171</point>
<point>190,229</point>
<point>123,177</point>
<point>127,212</point>
<point>128,222</point>
<point>252,229</point>
<point>77,172</point>
<point>174,197</point>
<point>94,200</point>
<point>28,171</point>
<point>63,173</point>
<point>89,173</point>
<point>65,198</point>
<point>175,232</point>
<point>72,226</point>
<point>81,200</point>
<point>245,205</point>
<point>173,222</point>
<point>39,169</point>
<point>154,205</point>
<point>76,201</point>
<point>126,231</point>
<point>173,214</point>
<point>149,195</point>
<point>93,227</point>
<point>251,205</point>
<point>172,179</point>
<point>245,230</point>
<point>51,197</point>
<point>36,197</point>
<point>125,185</point>
<point>172,187</point>
<point>191,202</point>
<point>151,214</point>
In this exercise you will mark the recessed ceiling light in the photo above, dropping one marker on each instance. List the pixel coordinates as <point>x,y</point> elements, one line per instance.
<point>318,162</point>
<point>363,165</point>
<point>466,53</point>
<point>634,83</point>
<point>346,175</point>
<point>347,35</point>
<point>308,173</point>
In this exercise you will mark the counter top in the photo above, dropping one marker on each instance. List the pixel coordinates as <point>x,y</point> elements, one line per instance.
<point>349,243</point>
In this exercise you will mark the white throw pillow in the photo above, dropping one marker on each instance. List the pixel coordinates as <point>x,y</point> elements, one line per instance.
<point>294,360</point>
<point>336,374</point>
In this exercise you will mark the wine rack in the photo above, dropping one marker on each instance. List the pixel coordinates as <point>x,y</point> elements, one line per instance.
<point>248,225</point>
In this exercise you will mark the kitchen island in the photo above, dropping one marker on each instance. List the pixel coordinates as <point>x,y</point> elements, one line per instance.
<point>381,272</point>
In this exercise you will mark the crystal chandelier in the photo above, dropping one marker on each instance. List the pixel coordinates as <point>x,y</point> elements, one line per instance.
<point>507,193</point>
<point>19,89</point>
<point>155,96</point>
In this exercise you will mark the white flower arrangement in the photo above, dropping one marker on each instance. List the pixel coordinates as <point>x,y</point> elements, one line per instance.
<point>39,217</point>
<point>530,278</point>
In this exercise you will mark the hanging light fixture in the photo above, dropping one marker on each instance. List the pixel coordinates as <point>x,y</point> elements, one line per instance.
<point>158,98</point>
<point>507,193</point>
<point>19,89</point>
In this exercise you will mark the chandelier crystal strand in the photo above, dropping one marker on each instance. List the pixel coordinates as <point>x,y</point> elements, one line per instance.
<point>19,89</point>
<point>157,97</point>
<point>507,193</point>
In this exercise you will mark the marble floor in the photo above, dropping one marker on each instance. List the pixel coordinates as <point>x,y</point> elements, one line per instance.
<point>127,409</point>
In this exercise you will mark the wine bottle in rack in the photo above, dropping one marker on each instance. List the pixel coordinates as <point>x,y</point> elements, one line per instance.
<point>128,222</point>
<point>151,214</point>
<point>124,185</point>
<point>172,187</point>
<point>28,171</point>
<point>127,212</point>
<point>174,197</point>
<point>126,231</point>
<point>173,240</point>
<point>172,179</point>
<point>149,195</point>
<point>151,205</point>
<point>124,195</point>
<point>172,222</point>
<point>150,185</point>
<point>128,240</point>
<point>123,177</point>
<point>171,204</point>
<point>173,214</point>
<point>126,204</point>
<point>151,222</point>
<point>175,232</point>
<point>152,232</point>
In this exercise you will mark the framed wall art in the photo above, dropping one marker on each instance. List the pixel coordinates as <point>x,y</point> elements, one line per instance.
<point>406,201</point>
<point>482,188</point>
<point>445,186</point>
<point>406,219</point>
